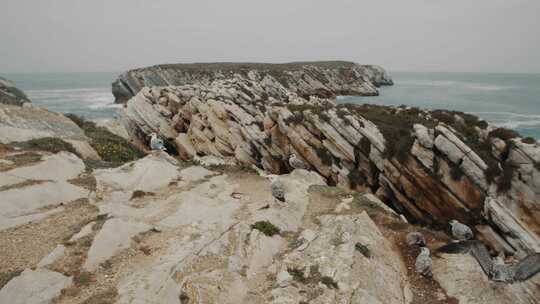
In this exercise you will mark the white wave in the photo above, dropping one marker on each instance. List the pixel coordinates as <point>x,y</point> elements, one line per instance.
<point>90,98</point>
<point>511,120</point>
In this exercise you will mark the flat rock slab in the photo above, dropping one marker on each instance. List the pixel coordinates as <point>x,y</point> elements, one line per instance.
<point>31,122</point>
<point>6,222</point>
<point>114,236</point>
<point>86,230</point>
<point>149,174</point>
<point>57,167</point>
<point>34,287</point>
<point>195,173</point>
<point>204,206</point>
<point>24,201</point>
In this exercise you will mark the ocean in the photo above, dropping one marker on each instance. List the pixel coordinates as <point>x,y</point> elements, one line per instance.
<point>507,100</point>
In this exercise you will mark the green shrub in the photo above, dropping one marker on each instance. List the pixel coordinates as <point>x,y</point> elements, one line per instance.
<point>266,227</point>
<point>325,156</point>
<point>329,282</point>
<point>363,249</point>
<point>356,178</point>
<point>110,147</point>
<point>528,140</point>
<point>503,133</point>
<point>505,181</point>
<point>49,144</point>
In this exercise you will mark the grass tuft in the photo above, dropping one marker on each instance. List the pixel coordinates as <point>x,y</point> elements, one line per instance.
<point>266,227</point>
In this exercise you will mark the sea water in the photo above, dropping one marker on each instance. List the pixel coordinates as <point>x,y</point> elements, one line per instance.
<point>506,100</point>
<point>84,94</point>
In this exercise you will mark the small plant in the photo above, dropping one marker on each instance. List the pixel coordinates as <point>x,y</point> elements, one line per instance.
<point>363,249</point>
<point>266,227</point>
<point>268,140</point>
<point>49,144</point>
<point>505,181</point>
<point>503,133</point>
<point>325,156</point>
<point>528,140</point>
<point>139,193</point>
<point>111,148</point>
<point>82,279</point>
<point>297,274</point>
<point>356,178</point>
<point>329,282</point>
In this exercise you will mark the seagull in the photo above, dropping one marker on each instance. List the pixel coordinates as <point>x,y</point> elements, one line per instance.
<point>156,143</point>
<point>461,232</point>
<point>297,163</point>
<point>416,238</point>
<point>424,263</point>
<point>495,268</point>
<point>277,188</point>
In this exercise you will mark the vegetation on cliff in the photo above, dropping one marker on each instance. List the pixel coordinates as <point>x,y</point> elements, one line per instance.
<point>113,149</point>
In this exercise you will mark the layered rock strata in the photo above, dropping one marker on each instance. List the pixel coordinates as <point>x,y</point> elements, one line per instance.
<point>325,79</point>
<point>431,166</point>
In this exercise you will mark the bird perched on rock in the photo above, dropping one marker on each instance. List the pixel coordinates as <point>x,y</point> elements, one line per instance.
<point>495,268</point>
<point>461,232</point>
<point>277,188</point>
<point>424,263</point>
<point>156,143</point>
<point>297,163</point>
<point>416,238</point>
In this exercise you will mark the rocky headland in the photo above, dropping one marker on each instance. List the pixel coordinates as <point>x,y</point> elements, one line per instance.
<point>201,226</point>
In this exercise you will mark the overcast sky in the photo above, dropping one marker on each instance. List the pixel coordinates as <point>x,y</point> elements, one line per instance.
<point>400,35</point>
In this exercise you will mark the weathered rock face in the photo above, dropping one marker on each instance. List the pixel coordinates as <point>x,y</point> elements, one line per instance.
<point>324,79</point>
<point>167,233</point>
<point>9,94</point>
<point>425,164</point>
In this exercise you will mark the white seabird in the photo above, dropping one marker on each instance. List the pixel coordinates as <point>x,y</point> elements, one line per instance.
<point>424,263</point>
<point>461,232</point>
<point>156,143</point>
<point>277,188</point>
<point>297,163</point>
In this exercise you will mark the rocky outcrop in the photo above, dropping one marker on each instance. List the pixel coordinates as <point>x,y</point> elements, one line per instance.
<point>431,166</point>
<point>323,79</point>
<point>11,95</point>
<point>158,230</point>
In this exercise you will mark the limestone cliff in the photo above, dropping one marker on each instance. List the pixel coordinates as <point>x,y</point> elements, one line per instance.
<point>431,166</point>
<point>324,79</point>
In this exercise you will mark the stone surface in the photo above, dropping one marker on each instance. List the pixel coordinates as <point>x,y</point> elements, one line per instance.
<point>304,78</point>
<point>56,167</point>
<point>25,123</point>
<point>34,287</point>
<point>10,94</point>
<point>19,203</point>
<point>114,236</point>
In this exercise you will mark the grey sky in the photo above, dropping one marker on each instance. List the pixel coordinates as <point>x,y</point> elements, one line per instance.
<point>412,35</point>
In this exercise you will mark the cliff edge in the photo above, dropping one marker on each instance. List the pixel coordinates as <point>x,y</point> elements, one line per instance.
<point>323,78</point>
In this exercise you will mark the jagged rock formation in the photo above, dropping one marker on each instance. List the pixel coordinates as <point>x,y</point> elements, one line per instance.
<point>159,231</point>
<point>9,94</point>
<point>324,79</point>
<point>430,165</point>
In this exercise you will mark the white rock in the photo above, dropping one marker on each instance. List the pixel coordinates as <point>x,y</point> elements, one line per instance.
<point>34,287</point>
<point>52,257</point>
<point>114,236</point>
